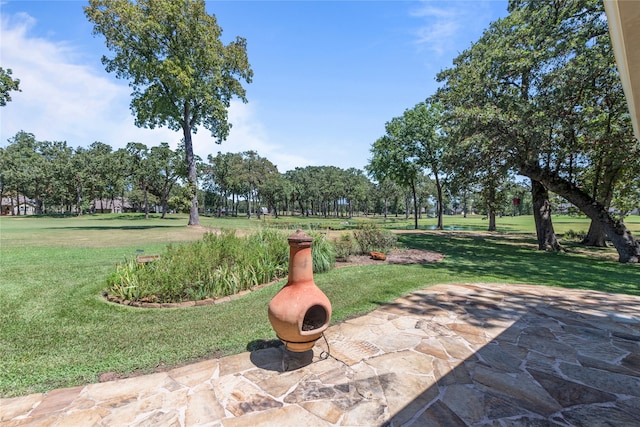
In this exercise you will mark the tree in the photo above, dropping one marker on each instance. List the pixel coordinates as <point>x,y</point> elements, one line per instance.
<point>51,154</point>
<point>423,124</point>
<point>472,162</point>
<point>305,188</point>
<point>117,175</point>
<point>357,189</point>
<point>412,143</point>
<point>26,171</point>
<point>255,171</point>
<point>141,170</point>
<point>388,193</point>
<point>166,168</point>
<point>7,84</point>
<point>100,156</point>
<point>81,178</point>
<point>394,158</point>
<point>62,190</point>
<point>533,86</point>
<point>181,73</point>
<point>219,175</point>
<point>273,192</point>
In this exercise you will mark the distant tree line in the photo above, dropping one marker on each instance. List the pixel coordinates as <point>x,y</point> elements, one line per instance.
<point>58,178</point>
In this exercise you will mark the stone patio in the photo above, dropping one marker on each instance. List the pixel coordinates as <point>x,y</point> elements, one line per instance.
<point>448,355</point>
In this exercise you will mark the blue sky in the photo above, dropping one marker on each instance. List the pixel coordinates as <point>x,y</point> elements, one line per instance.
<point>327,74</point>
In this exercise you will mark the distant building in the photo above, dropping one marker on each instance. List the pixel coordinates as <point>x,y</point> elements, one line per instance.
<point>116,205</point>
<point>11,206</point>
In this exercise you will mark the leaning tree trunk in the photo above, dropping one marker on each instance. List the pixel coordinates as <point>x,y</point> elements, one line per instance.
<point>595,236</point>
<point>542,215</point>
<point>628,248</point>
<point>604,194</point>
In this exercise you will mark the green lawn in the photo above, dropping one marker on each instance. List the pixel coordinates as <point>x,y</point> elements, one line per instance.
<point>57,331</point>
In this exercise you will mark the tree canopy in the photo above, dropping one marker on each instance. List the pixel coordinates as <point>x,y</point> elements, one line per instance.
<point>182,74</point>
<point>539,92</point>
<point>7,84</point>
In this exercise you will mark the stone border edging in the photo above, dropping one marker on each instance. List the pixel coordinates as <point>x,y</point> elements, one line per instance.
<point>184,304</point>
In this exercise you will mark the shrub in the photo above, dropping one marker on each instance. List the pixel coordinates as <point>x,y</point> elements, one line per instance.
<point>574,235</point>
<point>371,238</point>
<point>216,266</point>
<point>345,246</point>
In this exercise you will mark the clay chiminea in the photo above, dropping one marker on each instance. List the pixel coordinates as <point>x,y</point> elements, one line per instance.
<point>300,311</point>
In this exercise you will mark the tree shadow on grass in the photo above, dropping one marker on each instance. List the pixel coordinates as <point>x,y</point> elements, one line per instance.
<point>115,227</point>
<point>517,260</point>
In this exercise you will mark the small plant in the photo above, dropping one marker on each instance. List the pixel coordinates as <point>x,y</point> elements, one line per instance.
<point>371,238</point>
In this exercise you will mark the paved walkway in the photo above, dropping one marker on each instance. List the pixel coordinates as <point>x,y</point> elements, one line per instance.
<point>449,355</point>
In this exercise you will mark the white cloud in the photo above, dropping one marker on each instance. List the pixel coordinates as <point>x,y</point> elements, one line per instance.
<point>63,100</point>
<point>443,25</point>
<point>60,100</point>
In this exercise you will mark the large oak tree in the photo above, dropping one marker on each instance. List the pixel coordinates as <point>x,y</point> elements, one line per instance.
<point>182,74</point>
<point>538,88</point>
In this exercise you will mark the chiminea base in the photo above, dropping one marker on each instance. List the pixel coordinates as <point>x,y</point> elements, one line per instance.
<point>300,346</point>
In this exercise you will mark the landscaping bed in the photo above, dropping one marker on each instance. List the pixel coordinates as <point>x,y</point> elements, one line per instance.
<point>399,256</point>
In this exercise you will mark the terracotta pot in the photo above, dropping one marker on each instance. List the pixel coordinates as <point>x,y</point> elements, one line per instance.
<point>300,311</point>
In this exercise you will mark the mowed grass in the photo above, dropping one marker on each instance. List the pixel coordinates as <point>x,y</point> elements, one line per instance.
<point>56,330</point>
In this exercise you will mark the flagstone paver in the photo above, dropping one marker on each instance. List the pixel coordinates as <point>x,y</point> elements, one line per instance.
<point>448,355</point>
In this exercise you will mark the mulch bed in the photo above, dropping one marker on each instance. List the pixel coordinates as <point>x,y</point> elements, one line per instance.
<point>400,256</point>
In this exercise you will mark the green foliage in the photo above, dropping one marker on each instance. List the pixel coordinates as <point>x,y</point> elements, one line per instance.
<point>371,238</point>
<point>214,267</point>
<point>345,246</point>
<point>7,84</point>
<point>182,74</point>
<point>574,235</point>
<point>323,253</point>
<point>172,53</point>
<point>180,202</point>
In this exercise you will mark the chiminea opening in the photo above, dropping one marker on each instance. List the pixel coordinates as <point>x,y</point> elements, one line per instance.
<point>314,318</point>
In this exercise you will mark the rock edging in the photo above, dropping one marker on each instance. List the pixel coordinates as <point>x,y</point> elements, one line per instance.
<point>197,303</point>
